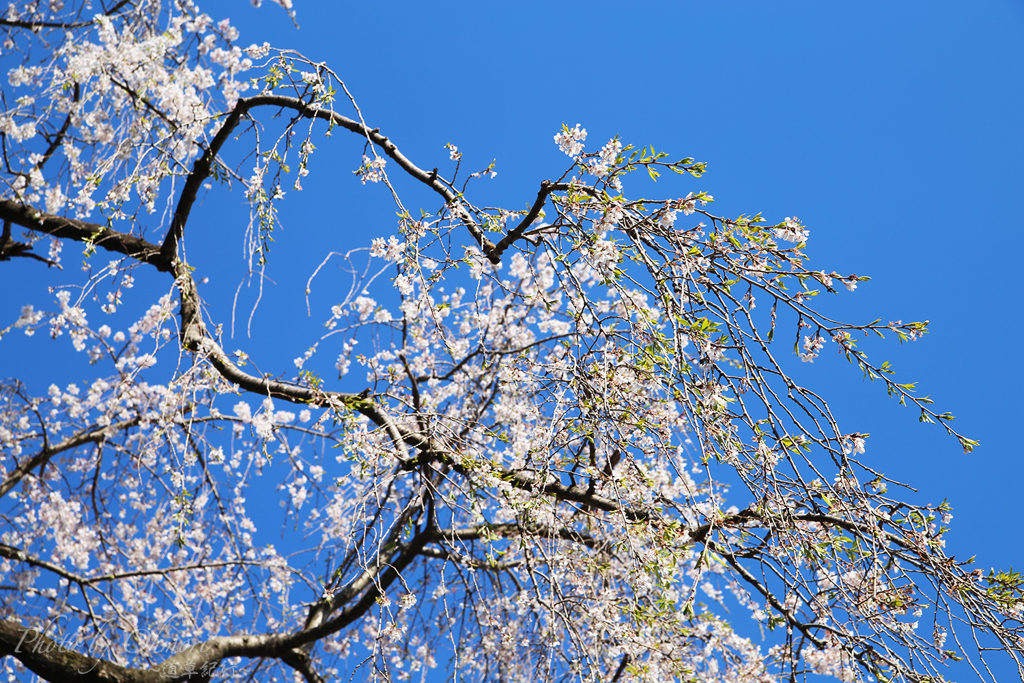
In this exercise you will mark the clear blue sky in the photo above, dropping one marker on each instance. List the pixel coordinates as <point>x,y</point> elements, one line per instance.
<point>893,130</point>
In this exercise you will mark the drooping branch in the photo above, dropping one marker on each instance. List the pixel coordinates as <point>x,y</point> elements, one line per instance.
<point>355,600</point>
<point>91,435</point>
<point>202,166</point>
<point>195,338</point>
<point>37,25</point>
<point>12,553</point>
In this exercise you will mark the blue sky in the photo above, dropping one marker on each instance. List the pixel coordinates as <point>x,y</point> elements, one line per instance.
<point>893,130</point>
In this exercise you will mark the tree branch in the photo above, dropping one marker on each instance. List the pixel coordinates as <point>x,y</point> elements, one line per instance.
<point>546,188</point>
<point>374,135</point>
<point>36,25</point>
<point>89,233</point>
<point>516,529</point>
<point>91,435</point>
<point>200,172</point>
<point>301,662</point>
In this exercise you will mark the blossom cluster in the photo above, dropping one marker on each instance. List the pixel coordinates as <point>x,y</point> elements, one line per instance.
<point>570,140</point>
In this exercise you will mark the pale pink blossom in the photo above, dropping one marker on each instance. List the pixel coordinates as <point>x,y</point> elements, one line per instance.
<point>570,140</point>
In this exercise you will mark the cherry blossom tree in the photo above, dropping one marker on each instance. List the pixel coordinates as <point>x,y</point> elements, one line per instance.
<point>563,442</point>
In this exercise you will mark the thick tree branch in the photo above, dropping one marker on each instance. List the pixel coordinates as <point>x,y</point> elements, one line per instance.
<point>81,231</point>
<point>546,188</point>
<point>51,661</point>
<point>301,662</point>
<point>200,172</point>
<point>10,249</point>
<point>407,554</point>
<point>307,110</point>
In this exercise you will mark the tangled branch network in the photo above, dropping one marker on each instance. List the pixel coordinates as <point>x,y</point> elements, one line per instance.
<point>525,474</point>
